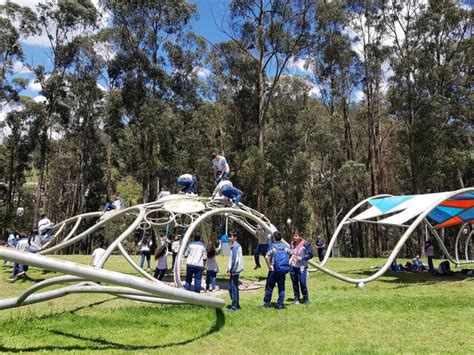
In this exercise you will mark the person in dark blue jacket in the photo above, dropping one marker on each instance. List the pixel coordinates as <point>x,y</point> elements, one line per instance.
<point>276,276</point>
<point>301,253</point>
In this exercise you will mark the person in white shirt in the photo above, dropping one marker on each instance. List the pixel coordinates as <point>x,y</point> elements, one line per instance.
<point>161,257</point>
<point>175,249</point>
<point>220,166</point>
<point>163,193</point>
<point>118,203</point>
<point>225,188</point>
<point>145,243</point>
<point>212,266</point>
<point>196,252</point>
<point>97,254</point>
<point>44,221</point>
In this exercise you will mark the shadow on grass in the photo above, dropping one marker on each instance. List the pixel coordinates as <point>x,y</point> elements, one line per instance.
<point>421,278</point>
<point>103,344</point>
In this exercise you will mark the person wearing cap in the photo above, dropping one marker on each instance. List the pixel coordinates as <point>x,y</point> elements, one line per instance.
<point>220,166</point>
<point>301,253</point>
<point>234,268</point>
<point>226,189</point>
<point>43,221</point>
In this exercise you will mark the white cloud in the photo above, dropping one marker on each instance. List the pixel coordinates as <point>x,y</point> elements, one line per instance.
<point>202,72</point>
<point>39,98</point>
<point>357,95</point>
<point>101,87</point>
<point>299,64</point>
<point>43,40</point>
<point>34,86</point>
<point>315,91</point>
<point>4,110</point>
<point>20,68</point>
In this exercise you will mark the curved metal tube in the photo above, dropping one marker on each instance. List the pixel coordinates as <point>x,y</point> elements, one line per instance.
<point>134,264</point>
<point>341,224</point>
<point>44,284</point>
<point>466,250</point>
<point>398,246</point>
<point>203,217</point>
<point>458,237</point>
<point>116,278</point>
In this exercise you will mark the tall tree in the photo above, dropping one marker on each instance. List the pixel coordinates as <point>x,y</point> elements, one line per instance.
<point>271,33</point>
<point>149,42</point>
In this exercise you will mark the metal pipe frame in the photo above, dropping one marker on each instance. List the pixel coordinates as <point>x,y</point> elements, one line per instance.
<point>129,287</point>
<point>421,218</point>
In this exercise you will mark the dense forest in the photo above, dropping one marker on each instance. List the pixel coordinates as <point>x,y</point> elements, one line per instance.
<point>133,98</point>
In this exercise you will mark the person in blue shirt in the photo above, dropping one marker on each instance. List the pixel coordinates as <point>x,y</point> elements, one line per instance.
<point>234,268</point>
<point>188,183</point>
<point>274,276</point>
<point>301,253</point>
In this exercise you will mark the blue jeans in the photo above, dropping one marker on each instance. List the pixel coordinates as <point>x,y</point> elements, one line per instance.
<point>261,249</point>
<point>298,279</point>
<point>234,290</point>
<point>233,194</point>
<point>17,268</point>
<point>196,273</point>
<point>145,254</point>
<point>272,280</point>
<point>211,280</point>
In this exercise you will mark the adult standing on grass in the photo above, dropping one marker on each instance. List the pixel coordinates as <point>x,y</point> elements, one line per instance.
<point>97,254</point>
<point>278,262</point>
<point>175,249</point>
<point>262,245</point>
<point>301,253</point>
<point>234,268</point>
<point>429,252</point>
<point>196,253</point>
<point>320,245</point>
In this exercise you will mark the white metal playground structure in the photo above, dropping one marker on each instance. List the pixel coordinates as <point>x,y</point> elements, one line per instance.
<point>436,211</point>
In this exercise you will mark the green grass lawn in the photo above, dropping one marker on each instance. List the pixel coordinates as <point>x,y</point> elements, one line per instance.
<point>398,313</point>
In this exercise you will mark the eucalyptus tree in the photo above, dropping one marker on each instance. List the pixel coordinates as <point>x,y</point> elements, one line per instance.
<point>336,68</point>
<point>431,89</point>
<point>16,24</point>
<point>270,33</point>
<point>369,33</point>
<point>61,21</point>
<point>153,72</point>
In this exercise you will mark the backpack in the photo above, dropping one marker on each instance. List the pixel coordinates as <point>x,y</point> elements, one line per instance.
<point>281,260</point>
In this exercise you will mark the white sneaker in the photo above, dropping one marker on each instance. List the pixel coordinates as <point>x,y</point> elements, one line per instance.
<point>21,273</point>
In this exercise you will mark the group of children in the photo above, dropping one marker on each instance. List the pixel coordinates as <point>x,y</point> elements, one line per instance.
<point>32,242</point>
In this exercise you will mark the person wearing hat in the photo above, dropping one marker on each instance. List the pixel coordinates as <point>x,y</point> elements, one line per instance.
<point>234,268</point>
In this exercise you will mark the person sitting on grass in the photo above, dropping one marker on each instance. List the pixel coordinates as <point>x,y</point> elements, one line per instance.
<point>418,264</point>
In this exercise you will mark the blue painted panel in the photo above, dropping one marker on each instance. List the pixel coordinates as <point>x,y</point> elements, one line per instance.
<point>438,215</point>
<point>387,203</point>
<point>452,211</point>
<point>467,215</point>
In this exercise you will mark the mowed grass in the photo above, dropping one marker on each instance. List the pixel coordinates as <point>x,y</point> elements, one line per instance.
<point>398,313</point>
